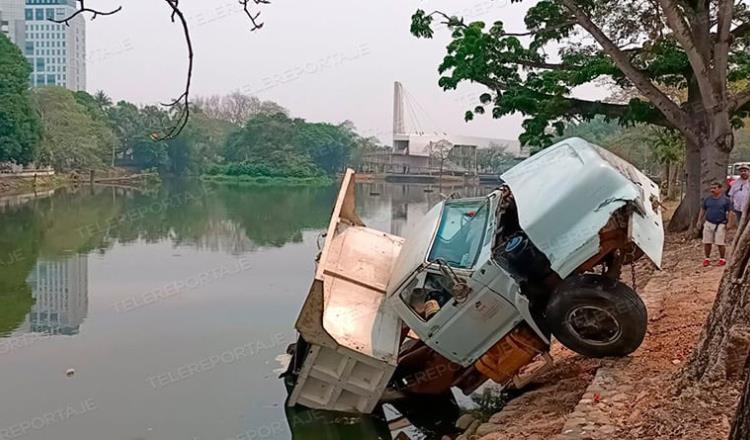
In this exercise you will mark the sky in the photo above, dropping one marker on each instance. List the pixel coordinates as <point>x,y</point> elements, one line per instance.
<point>325,60</point>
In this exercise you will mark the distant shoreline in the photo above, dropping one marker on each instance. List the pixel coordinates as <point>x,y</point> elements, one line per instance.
<point>268,181</point>
<point>23,185</point>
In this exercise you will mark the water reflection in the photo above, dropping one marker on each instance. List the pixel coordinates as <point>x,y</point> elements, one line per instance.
<point>60,292</point>
<point>67,259</point>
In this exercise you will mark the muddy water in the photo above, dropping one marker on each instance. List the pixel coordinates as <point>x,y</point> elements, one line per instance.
<point>127,315</point>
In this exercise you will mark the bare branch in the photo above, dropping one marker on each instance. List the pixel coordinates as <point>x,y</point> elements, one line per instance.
<point>181,103</point>
<point>82,9</point>
<point>253,17</point>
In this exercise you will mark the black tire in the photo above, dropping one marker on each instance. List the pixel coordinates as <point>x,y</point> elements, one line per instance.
<point>596,317</point>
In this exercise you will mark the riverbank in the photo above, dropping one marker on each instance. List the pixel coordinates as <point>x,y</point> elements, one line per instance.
<point>268,181</point>
<point>17,185</point>
<point>635,397</point>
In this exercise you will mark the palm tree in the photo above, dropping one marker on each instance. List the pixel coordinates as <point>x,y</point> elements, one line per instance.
<point>102,99</point>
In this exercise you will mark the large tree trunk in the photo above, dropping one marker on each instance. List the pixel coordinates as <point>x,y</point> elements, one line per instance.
<point>714,161</point>
<point>687,212</point>
<point>725,339</point>
<point>741,426</point>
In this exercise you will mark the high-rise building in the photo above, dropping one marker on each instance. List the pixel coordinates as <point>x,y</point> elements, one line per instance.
<point>57,52</point>
<point>12,21</point>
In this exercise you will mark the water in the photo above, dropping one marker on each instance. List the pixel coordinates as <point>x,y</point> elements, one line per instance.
<point>127,315</point>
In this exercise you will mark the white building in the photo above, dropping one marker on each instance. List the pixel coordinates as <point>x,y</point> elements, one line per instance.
<point>12,21</point>
<point>56,52</point>
<point>60,291</point>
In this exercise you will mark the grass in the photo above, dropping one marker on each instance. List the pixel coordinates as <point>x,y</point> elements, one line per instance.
<point>268,181</point>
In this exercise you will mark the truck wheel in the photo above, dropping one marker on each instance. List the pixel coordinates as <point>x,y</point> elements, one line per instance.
<point>596,317</point>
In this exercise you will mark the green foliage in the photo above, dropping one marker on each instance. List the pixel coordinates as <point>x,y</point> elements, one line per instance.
<point>275,145</point>
<point>535,73</point>
<point>19,123</point>
<point>280,164</point>
<point>75,136</point>
<point>277,181</point>
<point>85,131</point>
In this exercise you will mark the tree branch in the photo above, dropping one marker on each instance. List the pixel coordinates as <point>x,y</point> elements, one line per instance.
<point>671,111</point>
<point>453,21</point>
<point>739,100</point>
<point>721,50</point>
<point>697,61</point>
<point>741,30</point>
<point>620,111</point>
<point>583,107</point>
<point>541,65</point>
<point>181,103</point>
<point>82,9</point>
<point>253,17</point>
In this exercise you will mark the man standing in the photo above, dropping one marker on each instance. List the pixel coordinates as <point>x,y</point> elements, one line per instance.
<point>739,192</point>
<point>713,215</point>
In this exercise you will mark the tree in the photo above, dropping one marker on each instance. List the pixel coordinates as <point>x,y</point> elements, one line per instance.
<point>741,427</point>
<point>495,159</point>
<point>102,100</point>
<point>440,152</point>
<point>260,136</point>
<point>19,123</point>
<point>236,107</point>
<point>72,139</point>
<point>649,46</point>
<point>667,147</point>
<point>328,145</point>
<point>97,107</point>
<point>198,146</point>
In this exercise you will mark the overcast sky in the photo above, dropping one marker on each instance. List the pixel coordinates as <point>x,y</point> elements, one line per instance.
<point>325,60</point>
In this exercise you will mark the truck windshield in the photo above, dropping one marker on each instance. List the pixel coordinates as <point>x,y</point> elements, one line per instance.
<point>460,233</point>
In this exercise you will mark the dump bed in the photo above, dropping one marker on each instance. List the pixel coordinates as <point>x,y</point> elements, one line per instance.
<point>353,337</point>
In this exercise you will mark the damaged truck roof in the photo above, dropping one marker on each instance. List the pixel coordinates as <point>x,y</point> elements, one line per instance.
<point>567,193</point>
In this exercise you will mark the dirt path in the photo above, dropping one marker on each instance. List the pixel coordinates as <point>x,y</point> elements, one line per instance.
<point>631,398</point>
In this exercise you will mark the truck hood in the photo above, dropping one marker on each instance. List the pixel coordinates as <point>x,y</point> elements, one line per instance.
<point>567,193</point>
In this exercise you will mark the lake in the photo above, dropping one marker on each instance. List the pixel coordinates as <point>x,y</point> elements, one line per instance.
<point>159,315</point>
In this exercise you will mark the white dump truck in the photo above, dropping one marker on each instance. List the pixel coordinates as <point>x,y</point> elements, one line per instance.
<point>478,288</point>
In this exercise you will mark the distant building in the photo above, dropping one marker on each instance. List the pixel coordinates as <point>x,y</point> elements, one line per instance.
<point>57,52</point>
<point>60,291</point>
<point>12,23</point>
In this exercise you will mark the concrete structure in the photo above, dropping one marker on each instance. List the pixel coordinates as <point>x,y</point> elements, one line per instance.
<point>60,291</point>
<point>424,153</point>
<point>12,21</point>
<point>417,144</point>
<point>57,52</point>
